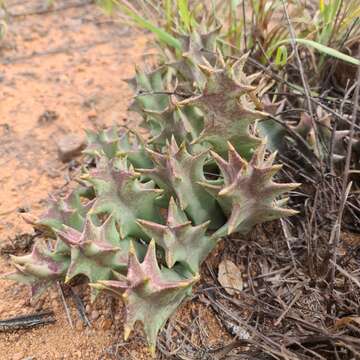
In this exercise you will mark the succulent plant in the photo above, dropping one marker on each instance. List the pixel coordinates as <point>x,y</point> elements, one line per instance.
<point>96,251</point>
<point>69,210</point>
<point>248,194</point>
<point>40,269</point>
<point>179,173</point>
<point>203,173</point>
<point>151,295</point>
<point>305,139</point>
<point>112,142</point>
<point>197,48</point>
<point>227,104</point>
<point>120,192</point>
<point>181,241</point>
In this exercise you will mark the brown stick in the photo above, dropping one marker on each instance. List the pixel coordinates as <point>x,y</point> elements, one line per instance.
<point>27,321</point>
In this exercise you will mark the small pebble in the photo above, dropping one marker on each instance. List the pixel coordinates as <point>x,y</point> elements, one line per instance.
<point>94,315</point>
<point>92,115</point>
<point>70,146</point>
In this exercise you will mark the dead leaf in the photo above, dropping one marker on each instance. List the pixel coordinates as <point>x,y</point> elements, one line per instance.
<point>229,276</point>
<point>342,322</point>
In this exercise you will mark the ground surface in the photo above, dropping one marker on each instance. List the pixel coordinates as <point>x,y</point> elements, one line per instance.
<point>60,72</point>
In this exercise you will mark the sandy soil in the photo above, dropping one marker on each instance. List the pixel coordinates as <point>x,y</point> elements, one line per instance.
<point>61,72</point>
<point>69,62</point>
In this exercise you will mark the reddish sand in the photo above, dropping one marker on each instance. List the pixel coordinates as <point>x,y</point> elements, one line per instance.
<point>71,62</point>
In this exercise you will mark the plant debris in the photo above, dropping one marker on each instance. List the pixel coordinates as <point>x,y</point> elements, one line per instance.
<point>27,321</point>
<point>230,278</point>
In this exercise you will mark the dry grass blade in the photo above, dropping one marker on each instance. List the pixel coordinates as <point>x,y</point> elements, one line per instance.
<point>27,321</point>
<point>66,307</point>
<point>346,187</point>
<point>80,307</point>
<point>302,74</point>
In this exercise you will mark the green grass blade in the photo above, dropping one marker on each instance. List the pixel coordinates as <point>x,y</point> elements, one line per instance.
<point>281,56</point>
<point>168,13</point>
<point>162,35</point>
<point>106,5</point>
<point>323,49</point>
<point>184,13</point>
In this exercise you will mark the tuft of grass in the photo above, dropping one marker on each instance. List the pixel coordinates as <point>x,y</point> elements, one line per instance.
<point>140,21</point>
